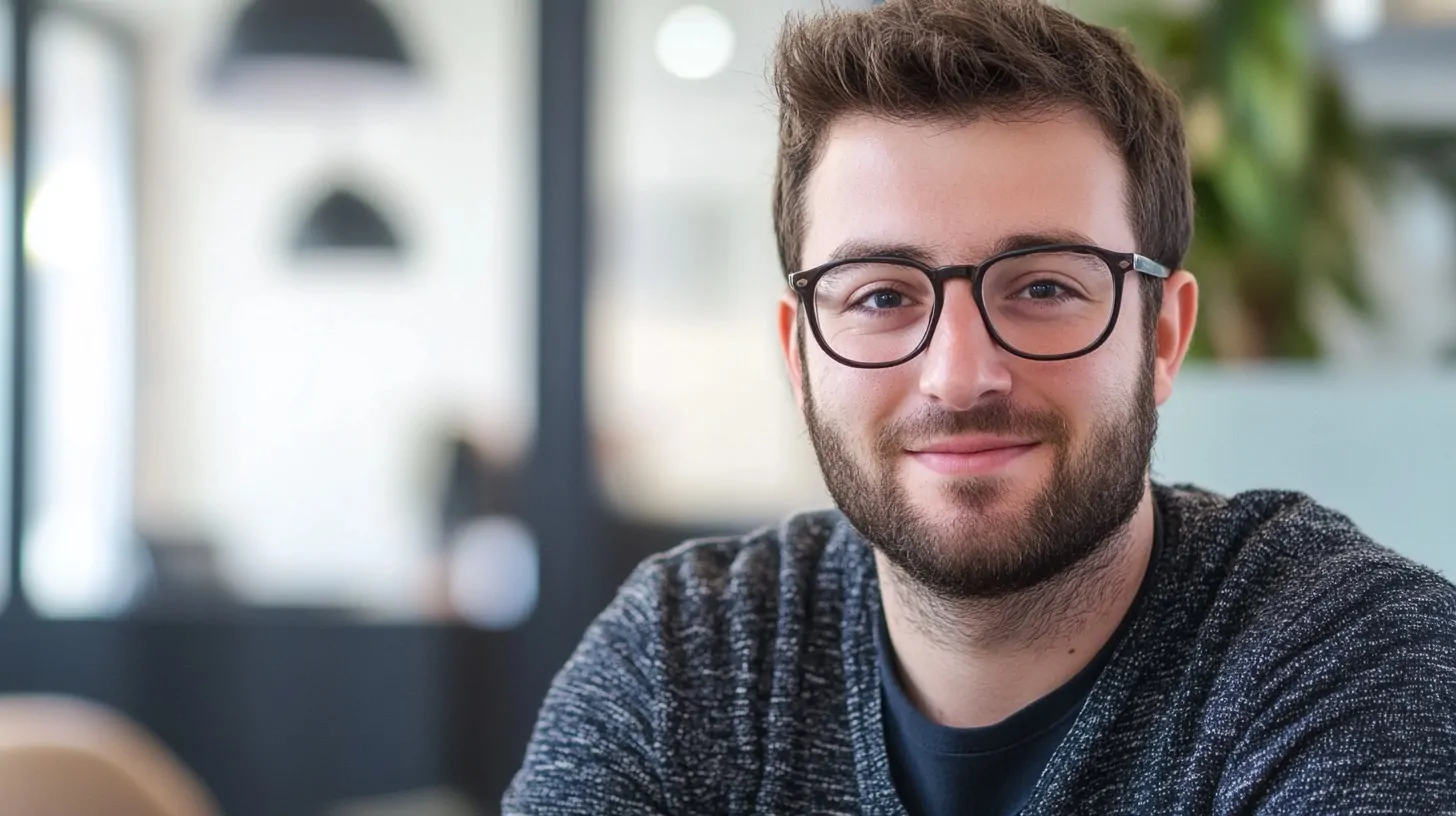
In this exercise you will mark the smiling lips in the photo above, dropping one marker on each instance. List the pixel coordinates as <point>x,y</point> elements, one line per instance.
<point>971,455</point>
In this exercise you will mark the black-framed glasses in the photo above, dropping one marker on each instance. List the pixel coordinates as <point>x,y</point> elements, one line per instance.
<point>1051,302</point>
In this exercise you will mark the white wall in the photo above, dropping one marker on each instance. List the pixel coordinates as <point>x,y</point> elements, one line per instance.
<point>290,411</point>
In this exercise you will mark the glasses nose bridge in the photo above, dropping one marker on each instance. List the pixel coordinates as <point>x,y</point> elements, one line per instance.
<point>942,275</point>
<point>945,274</point>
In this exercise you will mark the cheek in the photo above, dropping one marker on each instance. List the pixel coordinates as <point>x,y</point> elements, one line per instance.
<point>857,398</point>
<point>1083,391</point>
<point>1091,388</point>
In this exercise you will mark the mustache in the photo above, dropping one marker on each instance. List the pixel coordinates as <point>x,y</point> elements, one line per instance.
<point>1001,418</point>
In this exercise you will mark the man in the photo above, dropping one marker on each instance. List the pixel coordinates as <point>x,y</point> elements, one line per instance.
<point>982,207</point>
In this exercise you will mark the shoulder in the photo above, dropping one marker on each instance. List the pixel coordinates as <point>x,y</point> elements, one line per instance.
<point>736,570</point>
<point>1285,520</point>
<point>1298,580</point>
<point>642,716</point>
<point>692,611</point>
<point>1274,545</point>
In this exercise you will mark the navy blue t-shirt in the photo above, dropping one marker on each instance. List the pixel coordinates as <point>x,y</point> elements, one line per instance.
<point>989,770</point>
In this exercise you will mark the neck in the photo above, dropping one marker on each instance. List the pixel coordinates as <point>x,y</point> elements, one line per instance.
<point>974,663</point>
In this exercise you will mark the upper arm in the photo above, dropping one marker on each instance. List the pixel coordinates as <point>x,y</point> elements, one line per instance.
<point>594,749</point>
<point>1362,717</point>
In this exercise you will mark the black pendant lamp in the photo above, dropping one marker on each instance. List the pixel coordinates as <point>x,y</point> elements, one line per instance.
<point>345,220</point>
<point>356,31</point>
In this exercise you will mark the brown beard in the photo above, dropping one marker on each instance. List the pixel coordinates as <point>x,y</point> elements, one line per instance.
<point>1089,500</point>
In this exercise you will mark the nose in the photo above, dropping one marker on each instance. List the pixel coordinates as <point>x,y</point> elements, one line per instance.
<point>962,365</point>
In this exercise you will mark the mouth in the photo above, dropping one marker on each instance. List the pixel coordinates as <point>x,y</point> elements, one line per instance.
<point>971,457</point>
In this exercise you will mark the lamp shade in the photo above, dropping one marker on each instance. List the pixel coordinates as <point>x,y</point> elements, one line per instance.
<point>344,220</point>
<point>356,31</point>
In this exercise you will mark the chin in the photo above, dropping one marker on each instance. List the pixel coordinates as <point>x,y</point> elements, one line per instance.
<point>1004,492</point>
<point>969,498</point>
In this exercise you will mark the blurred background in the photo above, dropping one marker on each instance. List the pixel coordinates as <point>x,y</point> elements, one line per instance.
<point>354,351</point>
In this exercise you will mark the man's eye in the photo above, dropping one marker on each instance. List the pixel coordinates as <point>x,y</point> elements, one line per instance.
<point>1045,290</point>
<point>884,299</point>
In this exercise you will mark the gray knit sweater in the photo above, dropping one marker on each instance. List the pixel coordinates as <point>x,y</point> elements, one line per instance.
<point>1280,663</point>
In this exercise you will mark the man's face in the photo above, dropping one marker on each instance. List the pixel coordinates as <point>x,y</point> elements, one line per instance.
<point>975,472</point>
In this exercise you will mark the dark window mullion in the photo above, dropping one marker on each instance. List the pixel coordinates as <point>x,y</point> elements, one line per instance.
<point>22,18</point>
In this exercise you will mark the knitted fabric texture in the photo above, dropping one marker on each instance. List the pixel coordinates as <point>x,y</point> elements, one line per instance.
<point>1281,663</point>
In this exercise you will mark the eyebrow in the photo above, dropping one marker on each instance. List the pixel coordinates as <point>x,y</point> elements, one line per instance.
<point>925,254</point>
<point>1031,240</point>
<point>855,248</point>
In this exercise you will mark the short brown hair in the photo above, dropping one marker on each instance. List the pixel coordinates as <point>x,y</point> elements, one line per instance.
<point>935,60</point>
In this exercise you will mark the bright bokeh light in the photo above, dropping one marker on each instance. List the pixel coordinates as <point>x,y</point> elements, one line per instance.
<point>495,573</point>
<point>65,221</point>
<point>695,42</point>
<point>1353,19</point>
<point>72,566</point>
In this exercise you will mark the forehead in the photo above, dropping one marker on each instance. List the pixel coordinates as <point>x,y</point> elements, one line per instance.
<point>955,189</point>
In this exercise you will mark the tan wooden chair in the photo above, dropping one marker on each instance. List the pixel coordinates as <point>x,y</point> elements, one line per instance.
<point>62,756</point>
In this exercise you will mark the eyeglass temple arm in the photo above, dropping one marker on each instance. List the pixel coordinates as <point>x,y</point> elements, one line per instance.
<point>1148,266</point>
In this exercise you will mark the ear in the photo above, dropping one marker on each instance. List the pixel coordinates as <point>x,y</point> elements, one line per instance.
<point>1175,331</point>
<point>789,342</point>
